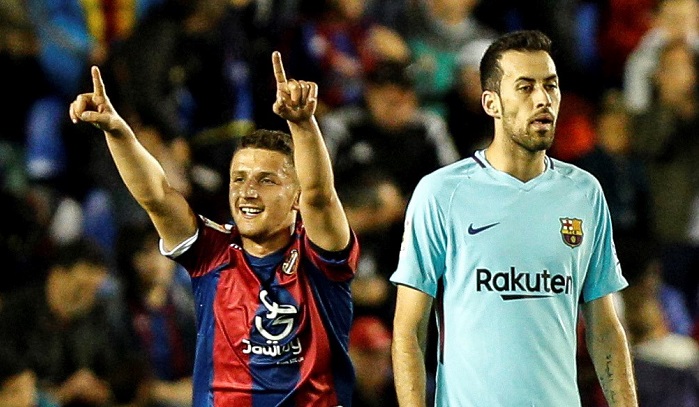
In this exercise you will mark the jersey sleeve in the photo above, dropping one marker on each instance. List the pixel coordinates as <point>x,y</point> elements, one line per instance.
<point>423,250</point>
<point>206,248</point>
<point>604,273</point>
<point>335,266</point>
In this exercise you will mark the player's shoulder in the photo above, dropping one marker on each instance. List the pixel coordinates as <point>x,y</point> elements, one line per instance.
<point>572,173</point>
<point>454,172</point>
<point>448,178</point>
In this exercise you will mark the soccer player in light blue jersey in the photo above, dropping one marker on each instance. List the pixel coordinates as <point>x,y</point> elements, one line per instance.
<point>510,245</point>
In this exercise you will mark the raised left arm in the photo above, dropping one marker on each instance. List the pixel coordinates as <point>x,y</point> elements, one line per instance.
<point>608,347</point>
<point>323,215</point>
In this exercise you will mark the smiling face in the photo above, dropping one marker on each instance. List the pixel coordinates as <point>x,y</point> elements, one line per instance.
<point>263,196</point>
<point>528,100</point>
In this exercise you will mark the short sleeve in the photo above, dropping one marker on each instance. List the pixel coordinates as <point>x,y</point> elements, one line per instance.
<point>423,249</point>
<point>604,274</point>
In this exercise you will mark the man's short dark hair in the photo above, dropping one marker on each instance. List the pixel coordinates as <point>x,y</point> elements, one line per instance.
<point>525,40</point>
<point>391,72</point>
<point>81,250</point>
<point>273,140</point>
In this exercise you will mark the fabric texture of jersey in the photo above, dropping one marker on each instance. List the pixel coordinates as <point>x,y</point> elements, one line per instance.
<point>274,337</point>
<point>508,263</point>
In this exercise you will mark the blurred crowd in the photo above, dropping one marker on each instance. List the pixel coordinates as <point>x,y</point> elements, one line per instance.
<point>92,315</point>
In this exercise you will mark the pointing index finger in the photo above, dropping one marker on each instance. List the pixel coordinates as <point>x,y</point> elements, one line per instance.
<point>279,74</point>
<point>97,84</point>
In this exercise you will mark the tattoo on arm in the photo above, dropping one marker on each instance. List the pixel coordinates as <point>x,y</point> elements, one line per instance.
<point>606,379</point>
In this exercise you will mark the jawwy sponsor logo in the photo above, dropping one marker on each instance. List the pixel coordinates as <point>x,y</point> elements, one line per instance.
<point>516,285</point>
<point>293,347</point>
<point>275,326</point>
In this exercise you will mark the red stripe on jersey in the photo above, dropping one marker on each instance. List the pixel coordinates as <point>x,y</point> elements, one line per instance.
<point>244,316</point>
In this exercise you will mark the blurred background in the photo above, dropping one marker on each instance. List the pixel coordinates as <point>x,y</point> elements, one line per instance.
<point>92,315</point>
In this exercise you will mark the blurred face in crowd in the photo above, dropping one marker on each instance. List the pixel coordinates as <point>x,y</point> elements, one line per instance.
<point>153,268</point>
<point>613,132</point>
<point>613,124</point>
<point>451,11</point>
<point>676,75</point>
<point>19,390</point>
<point>528,100</point>
<point>392,106</point>
<point>80,285</point>
<point>264,195</point>
<point>678,18</point>
<point>350,9</point>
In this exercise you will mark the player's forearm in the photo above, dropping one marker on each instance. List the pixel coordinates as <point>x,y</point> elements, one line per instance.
<point>140,171</point>
<point>312,161</point>
<point>409,371</point>
<point>612,361</point>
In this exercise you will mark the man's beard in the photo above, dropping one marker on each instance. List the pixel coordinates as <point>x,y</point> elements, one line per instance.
<point>530,140</point>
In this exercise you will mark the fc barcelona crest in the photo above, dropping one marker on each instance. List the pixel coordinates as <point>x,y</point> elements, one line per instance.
<point>571,231</point>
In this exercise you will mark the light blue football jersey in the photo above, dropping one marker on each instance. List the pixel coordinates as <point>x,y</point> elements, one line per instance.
<point>508,263</point>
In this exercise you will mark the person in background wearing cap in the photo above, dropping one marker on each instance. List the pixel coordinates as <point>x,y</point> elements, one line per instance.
<point>370,351</point>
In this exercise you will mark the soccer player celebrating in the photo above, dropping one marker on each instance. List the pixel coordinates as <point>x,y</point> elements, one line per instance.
<point>508,243</point>
<point>272,290</point>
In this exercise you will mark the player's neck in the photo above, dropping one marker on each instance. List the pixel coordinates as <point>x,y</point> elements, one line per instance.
<point>516,161</point>
<point>261,247</point>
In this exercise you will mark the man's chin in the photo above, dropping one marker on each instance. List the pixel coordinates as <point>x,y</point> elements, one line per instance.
<point>249,233</point>
<point>541,141</point>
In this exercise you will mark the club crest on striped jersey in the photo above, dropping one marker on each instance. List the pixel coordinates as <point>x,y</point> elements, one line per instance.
<point>289,265</point>
<point>572,231</point>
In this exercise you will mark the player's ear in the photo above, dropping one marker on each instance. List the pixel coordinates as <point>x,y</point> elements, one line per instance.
<point>491,104</point>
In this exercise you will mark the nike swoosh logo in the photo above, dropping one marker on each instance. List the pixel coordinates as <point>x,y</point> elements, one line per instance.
<point>473,231</point>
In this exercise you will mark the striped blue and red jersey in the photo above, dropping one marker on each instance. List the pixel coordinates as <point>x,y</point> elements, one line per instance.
<point>271,331</point>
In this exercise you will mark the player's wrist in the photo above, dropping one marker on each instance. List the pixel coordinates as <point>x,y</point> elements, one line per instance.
<point>307,124</point>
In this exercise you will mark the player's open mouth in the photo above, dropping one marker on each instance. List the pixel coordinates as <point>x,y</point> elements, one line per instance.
<point>543,122</point>
<point>250,211</point>
<point>543,119</point>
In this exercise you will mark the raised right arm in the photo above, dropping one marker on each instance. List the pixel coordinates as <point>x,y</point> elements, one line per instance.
<point>141,172</point>
<point>409,339</point>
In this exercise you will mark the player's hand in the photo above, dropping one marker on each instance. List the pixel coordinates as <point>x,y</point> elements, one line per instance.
<point>296,100</point>
<point>95,108</point>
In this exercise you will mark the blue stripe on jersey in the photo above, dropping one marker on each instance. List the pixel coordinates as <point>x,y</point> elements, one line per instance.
<point>335,307</point>
<point>204,289</point>
<point>271,374</point>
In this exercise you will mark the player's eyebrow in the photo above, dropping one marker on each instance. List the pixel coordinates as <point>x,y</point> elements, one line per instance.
<point>549,78</point>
